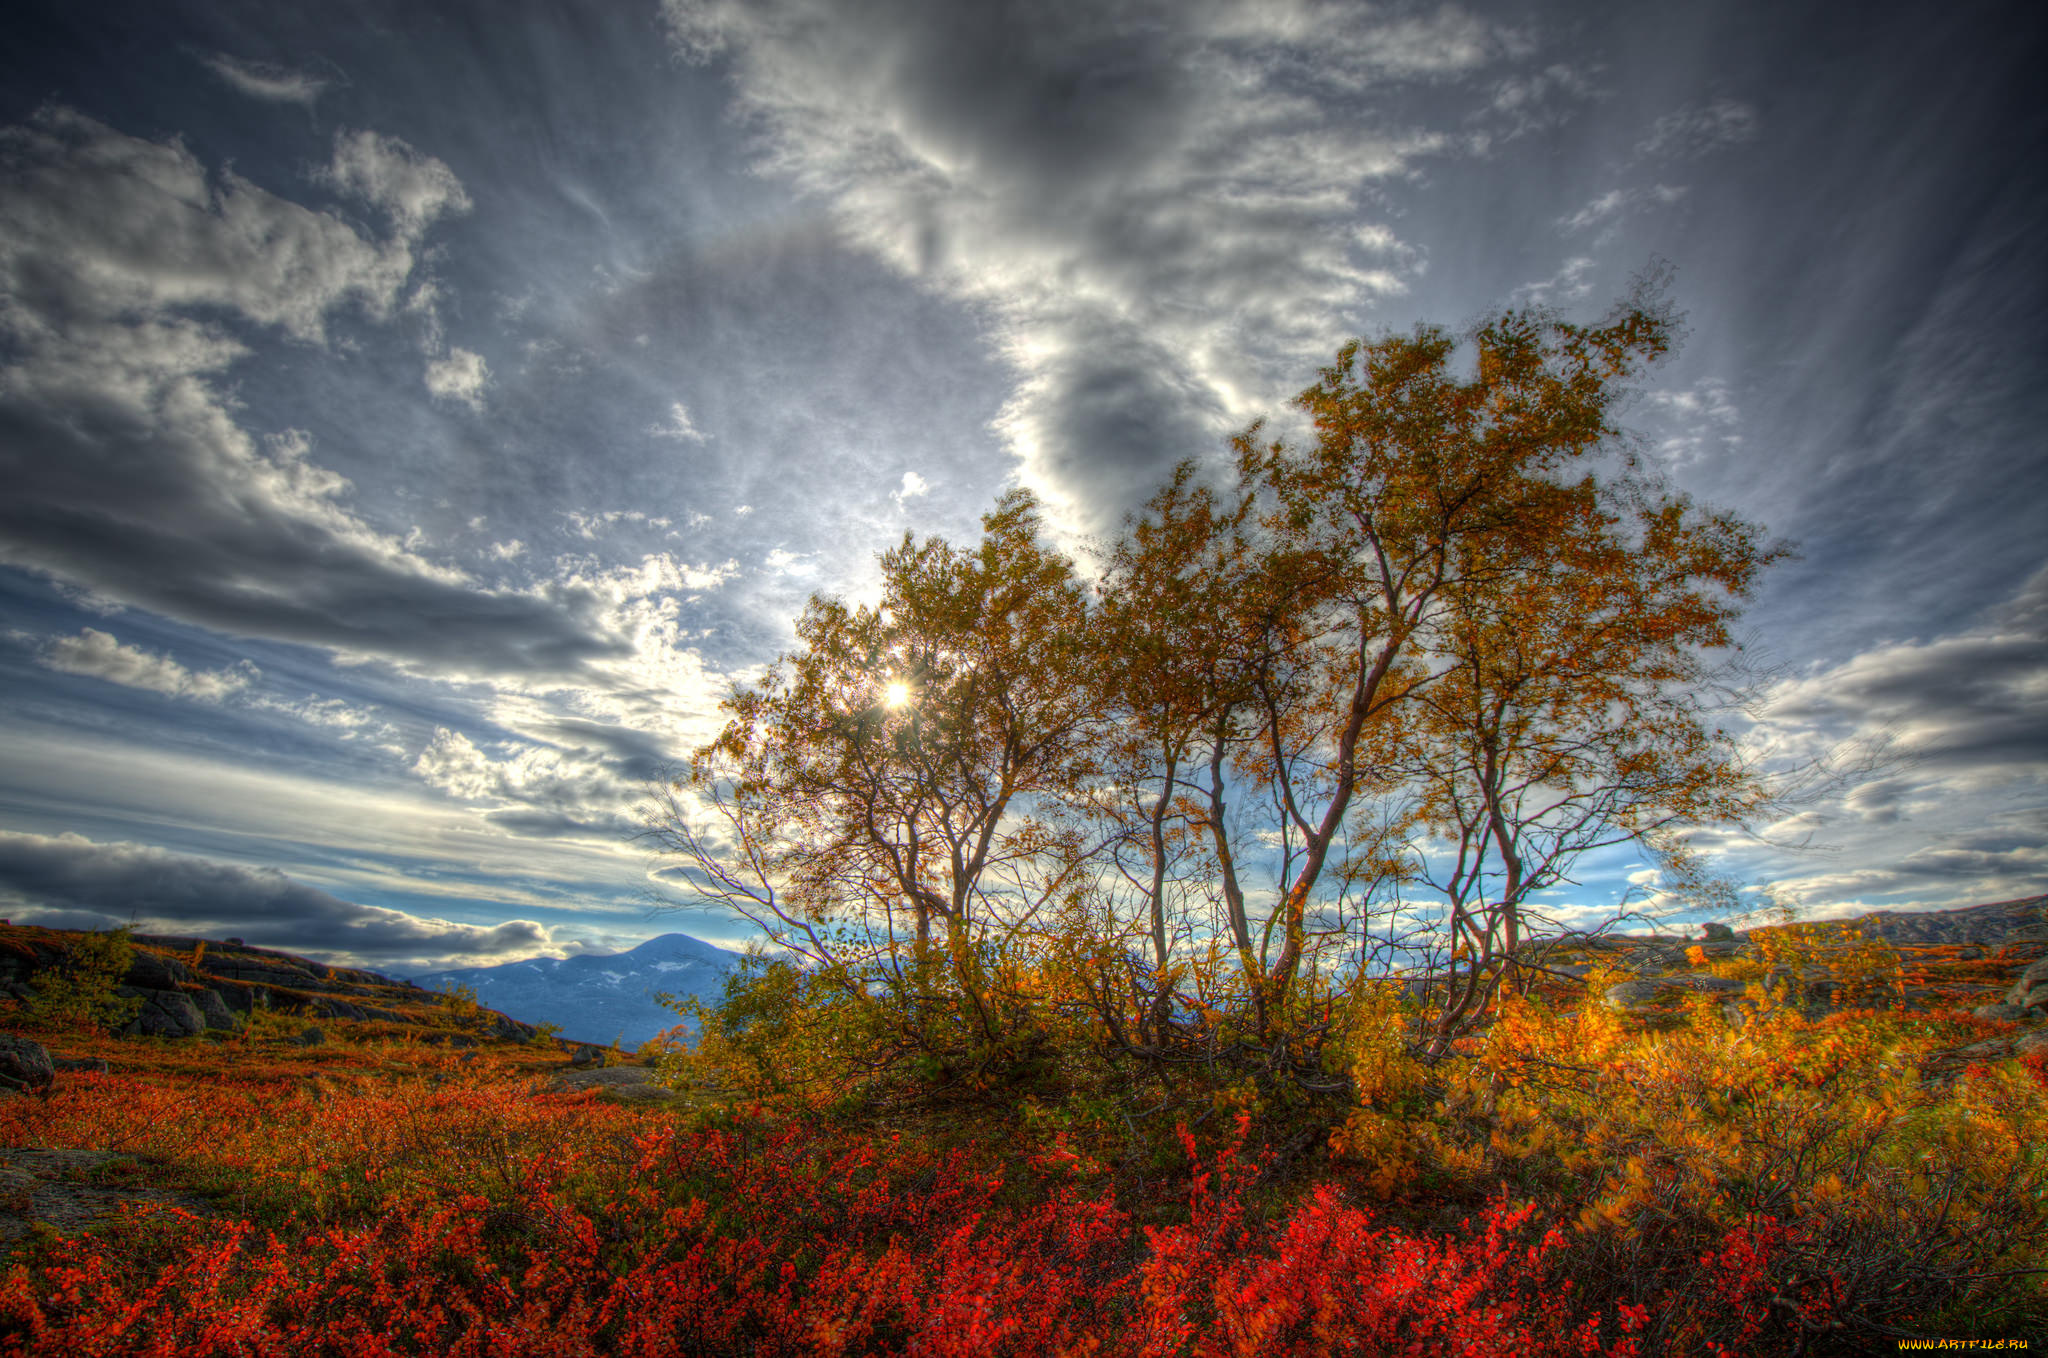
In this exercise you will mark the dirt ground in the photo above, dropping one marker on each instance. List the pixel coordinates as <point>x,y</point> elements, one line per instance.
<point>71,1190</point>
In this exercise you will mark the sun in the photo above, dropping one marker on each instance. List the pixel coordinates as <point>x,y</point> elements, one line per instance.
<point>896,694</point>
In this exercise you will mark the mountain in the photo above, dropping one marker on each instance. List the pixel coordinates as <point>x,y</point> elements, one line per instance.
<point>598,997</point>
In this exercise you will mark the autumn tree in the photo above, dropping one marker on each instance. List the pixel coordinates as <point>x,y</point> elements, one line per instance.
<point>1334,575</point>
<point>1443,646</point>
<point>1571,709</point>
<point>870,803</point>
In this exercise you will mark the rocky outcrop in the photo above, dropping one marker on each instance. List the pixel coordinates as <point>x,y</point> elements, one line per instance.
<point>186,987</point>
<point>1989,959</point>
<point>165,1013</point>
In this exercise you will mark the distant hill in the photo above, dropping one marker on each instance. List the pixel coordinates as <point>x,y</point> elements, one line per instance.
<point>187,986</point>
<point>598,997</point>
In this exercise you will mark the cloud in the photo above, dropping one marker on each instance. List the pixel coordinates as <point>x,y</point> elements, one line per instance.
<point>334,714</point>
<point>69,878</point>
<point>1695,423</point>
<point>1526,102</point>
<point>128,276</point>
<point>1571,282</point>
<point>679,426</point>
<point>558,784</point>
<point>264,80</point>
<point>1699,130</point>
<point>415,189</point>
<point>1972,704</point>
<point>912,487</point>
<point>1965,717</point>
<point>107,236</point>
<point>1604,209</point>
<point>1157,210</point>
<point>461,376</point>
<point>95,653</point>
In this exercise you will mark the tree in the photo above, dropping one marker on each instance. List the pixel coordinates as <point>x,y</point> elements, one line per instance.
<point>876,788</point>
<point>1446,645</point>
<point>1340,575</point>
<point>1572,711</point>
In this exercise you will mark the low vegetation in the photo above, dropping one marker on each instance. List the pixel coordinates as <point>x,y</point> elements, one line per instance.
<point>1573,1180</point>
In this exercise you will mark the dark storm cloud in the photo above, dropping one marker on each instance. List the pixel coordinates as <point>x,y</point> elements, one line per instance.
<point>1956,807</point>
<point>67,880</point>
<point>129,274</point>
<point>1163,209</point>
<point>1971,703</point>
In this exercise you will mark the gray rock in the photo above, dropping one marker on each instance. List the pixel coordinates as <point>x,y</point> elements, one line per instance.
<point>96,1064</point>
<point>1656,990</point>
<point>310,1036</point>
<point>149,972</point>
<point>214,1011</point>
<point>1635,997</point>
<point>649,1093</point>
<point>1713,932</point>
<point>1700,981</point>
<point>2000,1012</point>
<point>241,999</point>
<point>25,1065</point>
<point>2029,1043</point>
<point>1990,1049</point>
<point>636,1083</point>
<point>164,1013</point>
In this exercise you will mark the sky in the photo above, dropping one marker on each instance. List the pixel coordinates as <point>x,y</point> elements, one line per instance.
<point>415,417</point>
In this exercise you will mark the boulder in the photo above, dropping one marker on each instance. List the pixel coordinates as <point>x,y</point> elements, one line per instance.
<point>1655,992</point>
<point>164,1013</point>
<point>1712,984</point>
<point>214,1011</point>
<point>1635,997</point>
<point>2031,989</point>
<point>2029,1043</point>
<point>147,971</point>
<point>1714,932</point>
<point>310,1036</point>
<point>25,1065</point>
<point>242,999</point>
<point>2000,1012</point>
<point>95,1064</point>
